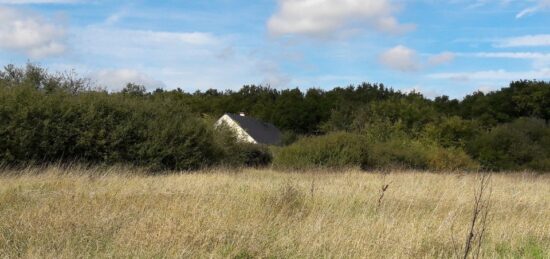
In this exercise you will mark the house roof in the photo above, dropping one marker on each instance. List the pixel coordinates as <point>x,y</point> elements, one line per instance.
<point>262,132</point>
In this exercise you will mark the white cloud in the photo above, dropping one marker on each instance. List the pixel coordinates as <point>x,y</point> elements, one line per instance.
<point>440,59</point>
<point>189,60</point>
<point>324,18</point>
<point>504,75</point>
<point>30,34</point>
<point>538,40</point>
<point>541,5</point>
<point>132,43</point>
<point>401,58</point>
<point>540,60</point>
<point>139,46</point>
<point>405,59</point>
<point>116,79</point>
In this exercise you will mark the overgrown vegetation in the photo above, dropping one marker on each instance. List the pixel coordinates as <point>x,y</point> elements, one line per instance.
<point>47,117</point>
<point>122,213</point>
<point>335,150</point>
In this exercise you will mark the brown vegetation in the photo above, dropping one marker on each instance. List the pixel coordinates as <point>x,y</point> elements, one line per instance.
<point>118,212</point>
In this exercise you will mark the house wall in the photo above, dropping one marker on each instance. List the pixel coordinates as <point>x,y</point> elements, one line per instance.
<point>241,134</point>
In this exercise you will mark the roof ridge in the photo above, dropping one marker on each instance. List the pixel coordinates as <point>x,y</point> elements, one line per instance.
<point>263,132</point>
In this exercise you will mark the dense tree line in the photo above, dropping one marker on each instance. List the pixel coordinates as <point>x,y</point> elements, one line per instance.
<point>57,117</point>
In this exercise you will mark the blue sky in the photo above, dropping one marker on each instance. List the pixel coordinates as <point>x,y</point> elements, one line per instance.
<point>436,47</point>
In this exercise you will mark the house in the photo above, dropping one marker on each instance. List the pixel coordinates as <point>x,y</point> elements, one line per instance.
<point>251,130</point>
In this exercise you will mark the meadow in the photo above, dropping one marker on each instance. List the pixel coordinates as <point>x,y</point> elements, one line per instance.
<point>57,212</point>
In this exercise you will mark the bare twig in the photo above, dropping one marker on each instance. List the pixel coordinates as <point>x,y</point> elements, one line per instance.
<point>383,190</point>
<point>478,223</point>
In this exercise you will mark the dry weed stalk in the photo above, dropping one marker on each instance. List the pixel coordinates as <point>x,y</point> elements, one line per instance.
<point>479,220</point>
<point>64,213</point>
<point>383,189</point>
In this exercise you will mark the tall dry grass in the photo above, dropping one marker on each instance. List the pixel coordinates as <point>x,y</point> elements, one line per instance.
<point>66,213</point>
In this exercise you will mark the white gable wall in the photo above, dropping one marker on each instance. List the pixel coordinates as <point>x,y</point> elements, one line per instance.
<point>242,135</point>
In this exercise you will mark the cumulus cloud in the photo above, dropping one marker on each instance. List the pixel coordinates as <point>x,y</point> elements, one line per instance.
<point>30,34</point>
<point>116,79</point>
<point>324,18</point>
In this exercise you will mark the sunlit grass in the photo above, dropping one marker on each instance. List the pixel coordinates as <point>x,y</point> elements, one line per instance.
<point>118,212</point>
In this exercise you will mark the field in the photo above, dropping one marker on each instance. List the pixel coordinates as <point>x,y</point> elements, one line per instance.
<point>120,212</point>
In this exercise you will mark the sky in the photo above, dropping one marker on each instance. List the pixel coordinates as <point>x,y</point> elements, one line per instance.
<point>436,47</point>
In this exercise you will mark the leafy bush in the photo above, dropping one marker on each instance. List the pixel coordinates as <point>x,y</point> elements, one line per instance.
<point>254,155</point>
<point>522,144</point>
<point>96,127</point>
<point>342,150</point>
<point>239,154</point>
<point>58,117</point>
<point>409,154</point>
<point>452,131</point>
<point>178,142</point>
<point>335,150</point>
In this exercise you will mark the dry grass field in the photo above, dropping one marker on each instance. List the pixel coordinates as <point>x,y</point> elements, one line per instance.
<point>68,213</point>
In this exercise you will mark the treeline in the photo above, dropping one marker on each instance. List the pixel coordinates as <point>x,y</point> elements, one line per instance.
<point>47,117</point>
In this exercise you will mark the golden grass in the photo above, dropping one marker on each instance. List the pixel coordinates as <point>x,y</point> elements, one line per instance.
<point>260,213</point>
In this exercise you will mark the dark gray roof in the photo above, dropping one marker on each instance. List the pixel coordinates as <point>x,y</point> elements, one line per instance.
<point>263,133</point>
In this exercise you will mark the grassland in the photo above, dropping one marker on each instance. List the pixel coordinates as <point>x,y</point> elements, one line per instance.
<point>114,212</point>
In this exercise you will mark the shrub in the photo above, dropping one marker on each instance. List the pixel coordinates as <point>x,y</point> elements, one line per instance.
<point>254,155</point>
<point>234,153</point>
<point>452,131</point>
<point>335,150</point>
<point>180,143</point>
<point>450,159</point>
<point>522,144</point>
<point>38,127</point>
<point>414,154</point>
<point>395,153</point>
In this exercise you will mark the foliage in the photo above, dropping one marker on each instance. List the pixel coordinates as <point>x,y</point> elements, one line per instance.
<point>238,154</point>
<point>94,127</point>
<point>48,117</point>
<point>522,144</point>
<point>334,150</point>
<point>452,131</point>
<point>414,154</point>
